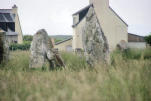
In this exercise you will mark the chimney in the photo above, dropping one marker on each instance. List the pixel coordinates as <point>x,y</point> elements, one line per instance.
<point>14,9</point>
<point>91,1</point>
<point>104,3</point>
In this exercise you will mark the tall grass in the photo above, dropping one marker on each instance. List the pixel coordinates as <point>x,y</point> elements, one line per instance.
<point>127,79</point>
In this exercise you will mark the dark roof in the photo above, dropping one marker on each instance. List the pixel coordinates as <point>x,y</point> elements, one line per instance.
<point>135,38</point>
<point>10,32</point>
<point>5,10</point>
<point>2,30</point>
<point>136,35</point>
<point>83,9</point>
<point>82,13</point>
<point>6,17</point>
<point>63,41</point>
<point>118,16</point>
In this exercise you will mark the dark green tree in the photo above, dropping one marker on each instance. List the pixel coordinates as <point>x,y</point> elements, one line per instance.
<point>28,38</point>
<point>148,39</point>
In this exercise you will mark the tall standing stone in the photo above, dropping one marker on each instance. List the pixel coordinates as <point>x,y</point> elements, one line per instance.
<point>94,41</point>
<point>41,49</point>
<point>4,47</point>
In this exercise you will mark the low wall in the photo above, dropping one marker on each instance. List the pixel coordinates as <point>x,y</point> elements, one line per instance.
<point>139,45</point>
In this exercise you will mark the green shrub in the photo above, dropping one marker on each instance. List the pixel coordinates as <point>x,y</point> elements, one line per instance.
<point>134,53</point>
<point>28,38</point>
<point>24,46</point>
<point>148,39</point>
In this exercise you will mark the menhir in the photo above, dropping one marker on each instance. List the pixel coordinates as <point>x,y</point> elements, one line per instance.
<point>42,51</point>
<point>94,41</point>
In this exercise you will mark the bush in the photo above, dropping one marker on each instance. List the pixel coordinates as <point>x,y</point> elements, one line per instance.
<point>134,53</point>
<point>24,46</point>
<point>28,38</point>
<point>148,39</point>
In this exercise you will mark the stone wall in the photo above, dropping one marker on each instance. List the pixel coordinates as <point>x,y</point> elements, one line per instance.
<point>4,48</point>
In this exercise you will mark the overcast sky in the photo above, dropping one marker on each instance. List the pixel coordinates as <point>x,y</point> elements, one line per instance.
<point>56,15</point>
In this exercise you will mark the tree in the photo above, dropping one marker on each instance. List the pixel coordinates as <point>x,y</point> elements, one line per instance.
<point>148,39</point>
<point>28,38</point>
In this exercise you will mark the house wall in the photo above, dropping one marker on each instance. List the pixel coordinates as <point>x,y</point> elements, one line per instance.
<point>75,19</point>
<point>12,38</point>
<point>114,29</point>
<point>138,45</point>
<point>65,46</point>
<point>18,26</point>
<point>77,35</point>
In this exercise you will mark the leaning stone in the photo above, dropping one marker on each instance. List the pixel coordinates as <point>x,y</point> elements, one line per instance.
<point>122,46</point>
<point>42,50</point>
<point>94,41</point>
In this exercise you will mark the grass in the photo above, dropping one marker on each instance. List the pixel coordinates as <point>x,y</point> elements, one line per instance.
<point>127,79</point>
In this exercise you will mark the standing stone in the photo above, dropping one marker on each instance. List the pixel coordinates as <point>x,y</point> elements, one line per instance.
<point>41,50</point>
<point>122,46</point>
<point>4,47</point>
<point>94,41</point>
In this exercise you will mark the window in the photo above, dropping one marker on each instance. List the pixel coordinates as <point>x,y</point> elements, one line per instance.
<point>69,48</point>
<point>15,41</point>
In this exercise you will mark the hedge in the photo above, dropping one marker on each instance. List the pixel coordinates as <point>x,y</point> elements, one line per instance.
<point>24,46</point>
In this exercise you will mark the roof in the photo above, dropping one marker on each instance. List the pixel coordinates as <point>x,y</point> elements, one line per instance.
<point>11,33</point>
<point>63,41</point>
<point>1,30</point>
<point>5,10</point>
<point>135,38</point>
<point>135,35</point>
<point>6,17</point>
<point>85,10</point>
<point>82,13</point>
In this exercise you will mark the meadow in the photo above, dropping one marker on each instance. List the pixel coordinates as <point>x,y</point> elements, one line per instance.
<point>128,78</point>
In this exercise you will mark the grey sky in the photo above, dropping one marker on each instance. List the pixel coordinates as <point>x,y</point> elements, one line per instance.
<point>56,15</point>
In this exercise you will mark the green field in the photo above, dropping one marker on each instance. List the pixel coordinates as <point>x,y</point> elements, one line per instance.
<point>128,78</point>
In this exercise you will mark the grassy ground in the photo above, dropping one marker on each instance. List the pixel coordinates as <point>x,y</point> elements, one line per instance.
<point>127,79</point>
